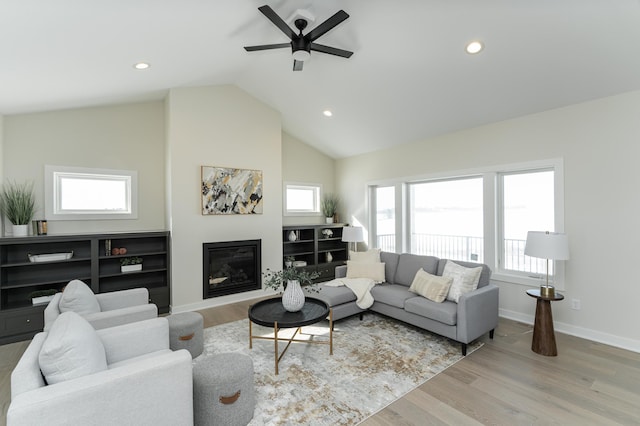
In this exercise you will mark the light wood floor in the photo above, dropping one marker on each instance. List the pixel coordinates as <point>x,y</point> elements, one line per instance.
<point>503,383</point>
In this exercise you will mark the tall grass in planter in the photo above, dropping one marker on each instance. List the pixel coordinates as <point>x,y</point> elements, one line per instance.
<point>17,203</point>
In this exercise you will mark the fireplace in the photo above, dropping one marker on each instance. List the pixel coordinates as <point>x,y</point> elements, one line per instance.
<point>230,267</point>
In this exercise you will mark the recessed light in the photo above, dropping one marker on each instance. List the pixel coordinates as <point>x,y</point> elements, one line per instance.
<point>474,47</point>
<point>327,113</point>
<point>141,66</point>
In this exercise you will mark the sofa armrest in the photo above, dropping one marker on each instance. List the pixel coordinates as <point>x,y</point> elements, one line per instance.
<point>135,339</point>
<point>157,390</point>
<point>477,313</point>
<point>101,320</point>
<point>341,271</point>
<point>123,299</point>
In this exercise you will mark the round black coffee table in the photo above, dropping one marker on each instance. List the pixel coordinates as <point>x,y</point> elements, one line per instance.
<point>271,313</point>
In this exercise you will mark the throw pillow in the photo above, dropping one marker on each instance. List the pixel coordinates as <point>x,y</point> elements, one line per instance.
<point>72,349</point>
<point>374,271</point>
<point>431,286</point>
<point>78,297</point>
<point>369,256</point>
<point>464,279</point>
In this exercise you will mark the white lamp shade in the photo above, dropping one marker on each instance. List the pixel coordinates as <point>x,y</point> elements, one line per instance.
<point>547,245</point>
<point>352,234</point>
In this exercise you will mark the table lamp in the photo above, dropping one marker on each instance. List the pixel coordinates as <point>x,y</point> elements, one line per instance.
<point>550,246</point>
<point>352,234</point>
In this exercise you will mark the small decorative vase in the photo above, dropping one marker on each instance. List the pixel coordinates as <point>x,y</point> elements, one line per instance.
<point>293,296</point>
<point>292,236</point>
<point>20,230</point>
<point>329,257</point>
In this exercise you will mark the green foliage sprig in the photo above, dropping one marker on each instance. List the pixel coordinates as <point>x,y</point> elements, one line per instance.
<point>130,261</point>
<point>329,204</point>
<point>276,279</point>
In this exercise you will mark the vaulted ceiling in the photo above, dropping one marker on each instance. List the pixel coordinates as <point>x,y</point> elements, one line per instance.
<point>409,78</point>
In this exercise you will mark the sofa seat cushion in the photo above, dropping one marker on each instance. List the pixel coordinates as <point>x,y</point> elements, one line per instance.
<point>139,358</point>
<point>445,312</point>
<point>334,296</point>
<point>391,294</point>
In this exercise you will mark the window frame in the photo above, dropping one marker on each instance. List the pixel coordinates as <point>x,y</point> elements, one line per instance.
<point>492,213</point>
<point>317,190</point>
<point>54,175</point>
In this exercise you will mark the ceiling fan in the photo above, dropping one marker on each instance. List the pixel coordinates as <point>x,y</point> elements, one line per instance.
<point>302,45</point>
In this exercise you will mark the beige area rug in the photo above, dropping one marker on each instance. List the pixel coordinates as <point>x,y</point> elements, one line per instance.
<point>374,362</point>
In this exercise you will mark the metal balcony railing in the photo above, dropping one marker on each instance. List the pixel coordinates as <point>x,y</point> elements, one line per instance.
<point>470,249</point>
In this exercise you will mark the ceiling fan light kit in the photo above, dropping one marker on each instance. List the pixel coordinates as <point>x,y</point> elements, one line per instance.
<point>302,45</point>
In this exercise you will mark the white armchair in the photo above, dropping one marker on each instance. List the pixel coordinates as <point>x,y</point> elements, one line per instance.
<point>101,310</point>
<point>142,383</point>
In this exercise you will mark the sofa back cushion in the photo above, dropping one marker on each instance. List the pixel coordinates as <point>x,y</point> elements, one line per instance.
<point>409,264</point>
<point>72,349</point>
<point>485,275</point>
<point>390,261</point>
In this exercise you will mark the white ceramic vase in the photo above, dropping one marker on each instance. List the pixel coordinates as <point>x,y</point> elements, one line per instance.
<point>293,296</point>
<point>292,236</point>
<point>20,230</point>
<point>328,219</point>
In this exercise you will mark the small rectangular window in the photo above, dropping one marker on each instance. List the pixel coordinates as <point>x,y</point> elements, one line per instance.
<point>73,193</point>
<point>301,199</point>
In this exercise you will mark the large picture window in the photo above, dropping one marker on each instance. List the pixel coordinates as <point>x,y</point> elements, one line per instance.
<point>477,215</point>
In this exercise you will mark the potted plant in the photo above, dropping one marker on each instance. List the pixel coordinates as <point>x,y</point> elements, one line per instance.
<point>17,203</point>
<point>130,264</point>
<point>42,296</point>
<point>329,206</point>
<point>292,279</point>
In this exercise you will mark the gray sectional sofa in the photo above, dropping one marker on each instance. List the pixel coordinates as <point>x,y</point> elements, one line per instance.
<point>475,314</point>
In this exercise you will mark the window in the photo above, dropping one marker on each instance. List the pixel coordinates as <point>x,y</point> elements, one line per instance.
<point>301,199</point>
<point>385,218</point>
<point>74,193</point>
<point>527,204</point>
<point>446,219</point>
<point>480,215</point>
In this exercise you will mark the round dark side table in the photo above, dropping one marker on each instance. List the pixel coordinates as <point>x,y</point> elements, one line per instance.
<point>544,338</point>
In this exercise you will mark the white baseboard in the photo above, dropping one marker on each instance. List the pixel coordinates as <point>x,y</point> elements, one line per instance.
<point>584,333</point>
<point>220,301</point>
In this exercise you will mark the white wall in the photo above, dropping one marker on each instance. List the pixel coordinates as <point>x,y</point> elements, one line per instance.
<point>600,144</point>
<point>129,137</point>
<point>219,126</point>
<point>305,164</point>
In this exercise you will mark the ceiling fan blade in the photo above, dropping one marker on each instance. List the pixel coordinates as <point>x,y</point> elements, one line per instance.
<point>330,50</point>
<point>266,47</point>
<point>297,65</point>
<point>326,26</point>
<point>277,21</point>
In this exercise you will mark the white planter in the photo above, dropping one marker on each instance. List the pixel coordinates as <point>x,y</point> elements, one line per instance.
<point>42,299</point>
<point>328,219</point>
<point>293,296</point>
<point>131,268</point>
<point>20,230</point>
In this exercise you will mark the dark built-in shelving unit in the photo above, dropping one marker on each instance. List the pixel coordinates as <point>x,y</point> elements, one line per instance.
<point>90,262</point>
<point>312,247</point>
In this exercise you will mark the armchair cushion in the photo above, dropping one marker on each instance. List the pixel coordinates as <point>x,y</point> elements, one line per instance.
<point>79,298</point>
<point>71,350</point>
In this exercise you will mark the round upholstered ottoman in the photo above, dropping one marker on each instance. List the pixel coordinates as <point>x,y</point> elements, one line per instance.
<point>185,332</point>
<point>223,391</point>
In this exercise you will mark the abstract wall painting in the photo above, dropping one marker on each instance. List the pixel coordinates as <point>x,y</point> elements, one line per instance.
<point>231,191</point>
